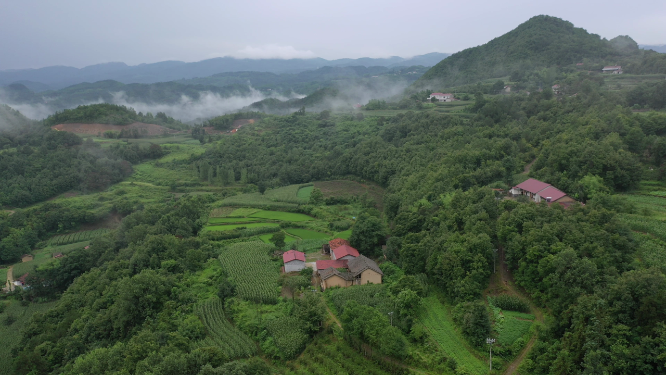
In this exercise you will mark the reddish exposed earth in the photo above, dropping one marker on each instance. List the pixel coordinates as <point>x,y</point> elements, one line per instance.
<point>95,129</point>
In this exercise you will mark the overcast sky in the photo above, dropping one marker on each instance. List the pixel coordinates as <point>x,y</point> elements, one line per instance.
<point>79,33</point>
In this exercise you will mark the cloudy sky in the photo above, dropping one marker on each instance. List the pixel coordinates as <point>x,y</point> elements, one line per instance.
<point>78,33</point>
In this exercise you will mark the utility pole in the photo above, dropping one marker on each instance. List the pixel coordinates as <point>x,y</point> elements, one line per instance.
<point>391,315</point>
<point>490,342</point>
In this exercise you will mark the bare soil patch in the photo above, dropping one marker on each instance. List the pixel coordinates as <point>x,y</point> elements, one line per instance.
<point>346,188</point>
<point>95,129</point>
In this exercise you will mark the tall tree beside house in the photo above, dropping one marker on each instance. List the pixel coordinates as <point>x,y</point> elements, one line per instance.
<point>368,235</point>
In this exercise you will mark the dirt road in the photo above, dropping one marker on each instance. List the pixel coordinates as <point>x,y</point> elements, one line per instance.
<point>10,278</point>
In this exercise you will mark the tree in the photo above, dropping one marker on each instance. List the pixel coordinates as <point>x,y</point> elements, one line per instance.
<point>278,239</point>
<point>311,310</point>
<point>368,235</point>
<point>316,197</point>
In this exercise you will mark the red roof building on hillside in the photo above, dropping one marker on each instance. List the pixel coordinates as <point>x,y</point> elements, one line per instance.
<point>344,252</point>
<point>539,191</point>
<point>324,264</point>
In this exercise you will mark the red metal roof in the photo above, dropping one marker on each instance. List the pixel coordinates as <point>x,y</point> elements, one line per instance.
<point>345,250</point>
<point>337,242</point>
<point>552,193</point>
<point>532,185</point>
<point>324,264</point>
<point>293,255</point>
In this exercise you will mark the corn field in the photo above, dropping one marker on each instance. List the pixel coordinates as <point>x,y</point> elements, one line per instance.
<point>221,333</point>
<point>288,335</point>
<point>87,235</point>
<point>252,270</point>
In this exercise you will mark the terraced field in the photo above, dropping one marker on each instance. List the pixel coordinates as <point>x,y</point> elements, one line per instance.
<point>306,234</point>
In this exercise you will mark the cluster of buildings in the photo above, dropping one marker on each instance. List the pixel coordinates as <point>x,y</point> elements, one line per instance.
<point>441,97</point>
<point>346,267</point>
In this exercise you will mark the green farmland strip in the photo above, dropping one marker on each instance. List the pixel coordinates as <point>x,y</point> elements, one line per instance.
<point>440,324</point>
<point>218,220</point>
<point>234,226</point>
<point>267,238</point>
<point>282,216</point>
<point>306,234</point>
<point>304,192</point>
<point>344,235</point>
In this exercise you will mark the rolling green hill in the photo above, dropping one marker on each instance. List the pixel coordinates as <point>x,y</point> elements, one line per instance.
<point>542,41</point>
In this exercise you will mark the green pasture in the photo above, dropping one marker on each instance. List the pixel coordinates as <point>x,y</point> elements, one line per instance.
<point>234,226</point>
<point>439,323</point>
<point>344,235</point>
<point>304,192</point>
<point>267,238</point>
<point>243,212</point>
<point>282,216</point>
<point>218,220</point>
<point>10,335</point>
<point>515,326</point>
<point>306,234</point>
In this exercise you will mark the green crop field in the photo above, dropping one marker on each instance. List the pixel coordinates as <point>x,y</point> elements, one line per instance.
<point>652,251</point>
<point>287,194</point>
<point>330,356</point>
<point>221,333</point>
<point>267,238</point>
<point>282,216</point>
<point>255,200</point>
<point>344,235</point>
<point>253,271</point>
<point>439,323</point>
<point>304,192</point>
<point>11,335</point>
<point>234,226</point>
<point>217,220</point>
<point>309,246</point>
<point>87,235</point>
<point>306,234</point>
<point>3,277</point>
<point>515,325</point>
<point>243,212</point>
<point>646,224</point>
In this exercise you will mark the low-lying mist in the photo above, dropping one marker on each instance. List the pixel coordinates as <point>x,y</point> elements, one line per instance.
<point>187,109</point>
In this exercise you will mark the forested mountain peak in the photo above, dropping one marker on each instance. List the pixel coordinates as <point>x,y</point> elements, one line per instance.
<point>542,41</point>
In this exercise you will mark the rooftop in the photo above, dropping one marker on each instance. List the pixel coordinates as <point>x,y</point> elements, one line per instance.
<point>292,255</point>
<point>552,193</point>
<point>344,250</point>
<point>324,264</point>
<point>533,186</point>
<point>362,263</point>
<point>337,242</point>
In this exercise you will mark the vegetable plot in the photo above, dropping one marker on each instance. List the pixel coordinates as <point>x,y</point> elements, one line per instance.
<point>251,269</point>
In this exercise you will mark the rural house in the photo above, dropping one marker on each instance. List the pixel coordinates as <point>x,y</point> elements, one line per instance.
<point>441,97</point>
<point>26,258</point>
<point>358,271</point>
<point>58,255</point>
<point>539,191</point>
<point>294,261</point>
<point>332,244</point>
<point>612,69</point>
<point>21,280</point>
<point>344,252</point>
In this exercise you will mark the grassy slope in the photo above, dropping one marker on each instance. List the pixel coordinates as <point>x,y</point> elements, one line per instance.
<point>10,335</point>
<point>439,323</point>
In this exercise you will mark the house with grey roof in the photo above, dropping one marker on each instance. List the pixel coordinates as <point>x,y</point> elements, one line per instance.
<point>360,270</point>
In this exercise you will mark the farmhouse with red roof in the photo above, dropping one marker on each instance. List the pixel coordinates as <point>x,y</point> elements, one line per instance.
<point>441,97</point>
<point>324,264</point>
<point>344,252</point>
<point>294,261</point>
<point>539,191</point>
<point>332,244</point>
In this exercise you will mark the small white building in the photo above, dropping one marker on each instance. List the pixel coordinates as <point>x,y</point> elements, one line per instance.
<point>441,97</point>
<point>612,69</point>
<point>294,261</point>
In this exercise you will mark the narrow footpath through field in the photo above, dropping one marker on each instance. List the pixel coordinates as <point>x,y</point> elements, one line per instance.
<point>507,283</point>
<point>528,166</point>
<point>10,278</point>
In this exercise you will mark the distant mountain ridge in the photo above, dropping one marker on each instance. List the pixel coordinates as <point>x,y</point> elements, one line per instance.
<point>657,48</point>
<point>542,41</point>
<point>57,77</point>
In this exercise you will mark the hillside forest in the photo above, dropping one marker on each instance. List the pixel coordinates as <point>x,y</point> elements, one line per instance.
<point>162,254</point>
